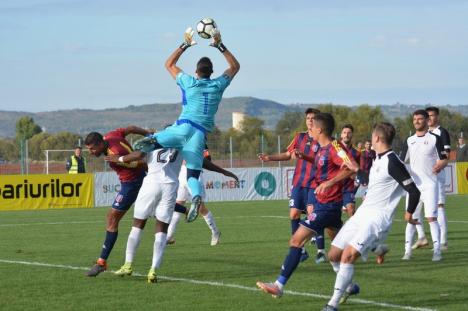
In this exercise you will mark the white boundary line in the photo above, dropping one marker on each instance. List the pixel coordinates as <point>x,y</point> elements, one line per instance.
<point>128,220</point>
<point>221,284</point>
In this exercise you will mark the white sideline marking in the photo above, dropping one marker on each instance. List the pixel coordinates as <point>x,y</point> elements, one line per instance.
<point>128,220</point>
<point>221,284</point>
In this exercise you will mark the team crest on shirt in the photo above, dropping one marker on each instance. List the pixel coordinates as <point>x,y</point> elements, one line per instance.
<point>315,148</point>
<point>322,160</point>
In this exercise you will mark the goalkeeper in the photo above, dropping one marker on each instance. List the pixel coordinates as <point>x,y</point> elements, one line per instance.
<point>201,96</point>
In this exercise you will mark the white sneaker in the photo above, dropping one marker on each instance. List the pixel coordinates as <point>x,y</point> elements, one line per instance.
<point>420,243</point>
<point>437,256</point>
<point>215,238</point>
<point>406,256</point>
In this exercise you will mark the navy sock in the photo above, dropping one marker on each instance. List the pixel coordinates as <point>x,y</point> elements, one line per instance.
<point>179,208</point>
<point>111,237</point>
<point>320,241</point>
<point>294,225</point>
<point>290,264</point>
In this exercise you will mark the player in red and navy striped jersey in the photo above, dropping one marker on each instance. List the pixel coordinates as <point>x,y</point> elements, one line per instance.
<point>329,176</point>
<point>302,193</point>
<point>367,157</point>
<point>349,186</point>
<point>131,178</point>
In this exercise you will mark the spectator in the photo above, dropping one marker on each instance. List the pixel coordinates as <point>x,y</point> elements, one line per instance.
<point>76,163</point>
<point>462,150</point>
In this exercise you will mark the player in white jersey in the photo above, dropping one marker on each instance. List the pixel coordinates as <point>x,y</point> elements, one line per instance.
<point>435,128</point>
<point>184,195</point>
<point>156,198</point>
<point>388,178</point>
<point>427,158</point>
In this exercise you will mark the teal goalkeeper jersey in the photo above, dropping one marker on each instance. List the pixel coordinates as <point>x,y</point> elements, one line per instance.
<point>201,98</point>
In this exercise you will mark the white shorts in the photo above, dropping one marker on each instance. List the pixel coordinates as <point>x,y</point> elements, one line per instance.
<point>183,193</point>
<point>364,231</point>
<point>156,199</point>
<point>441,187</point>
<point>429,201</point>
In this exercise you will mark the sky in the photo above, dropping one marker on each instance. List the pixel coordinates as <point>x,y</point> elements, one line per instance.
<point>96,54</point>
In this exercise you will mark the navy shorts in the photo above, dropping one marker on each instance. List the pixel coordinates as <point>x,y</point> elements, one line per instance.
<point>127,194</point>
<point>301,197</point>
<point>325,215</point>
<point>349,197</point>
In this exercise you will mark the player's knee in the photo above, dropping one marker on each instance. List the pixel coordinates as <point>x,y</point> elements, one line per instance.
<point>193,173</point>
<point>349,255</point>
<point>139,223</point>
<point>294,213</point>
<point>334,254</point>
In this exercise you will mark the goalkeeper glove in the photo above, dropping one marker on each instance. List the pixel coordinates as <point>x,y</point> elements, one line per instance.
<point>217,42</point>
<point>188,39</point>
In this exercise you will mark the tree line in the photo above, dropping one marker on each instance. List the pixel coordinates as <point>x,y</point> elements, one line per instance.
<point>252,138</point>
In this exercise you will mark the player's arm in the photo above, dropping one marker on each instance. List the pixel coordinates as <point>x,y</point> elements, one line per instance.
<point>171,62</point>
<point>339,157</point>
<point>234,65</point>
<point>207,164</point>
<point>404,155</point>
<point>284,156</point>
<point>442,154</point>
<point>135,156</point>
<point>445,138</point>
<point>132,129</point>
<point>398,171</point>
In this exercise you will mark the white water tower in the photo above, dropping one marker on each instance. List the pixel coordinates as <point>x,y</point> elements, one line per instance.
<point>237,119</point>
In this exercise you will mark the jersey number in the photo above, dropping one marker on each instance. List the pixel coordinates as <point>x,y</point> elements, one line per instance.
<point>172,158</point>
<point>205,106</point>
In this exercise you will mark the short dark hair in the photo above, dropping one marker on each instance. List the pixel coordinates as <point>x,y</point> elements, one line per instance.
<point>386,131</point>
<point>433,109</point>
<point>348,126</point>
<point>421,112</point>
<point>311,110</point>
<point>78,147</point>
<point>93,138</point>
<point>204,67</point>
<point>326,122</point>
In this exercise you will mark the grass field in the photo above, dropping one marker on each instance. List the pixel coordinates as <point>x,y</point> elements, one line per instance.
<point>44,254</point>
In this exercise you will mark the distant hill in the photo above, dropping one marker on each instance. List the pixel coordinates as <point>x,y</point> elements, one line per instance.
<point>83,121</point>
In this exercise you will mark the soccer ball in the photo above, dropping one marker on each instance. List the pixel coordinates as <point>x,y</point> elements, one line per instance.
<point>205,26</point>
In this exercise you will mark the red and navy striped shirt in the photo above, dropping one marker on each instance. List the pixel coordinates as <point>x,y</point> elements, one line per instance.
<point>328,161</point>
<point>367,157</point>
<point>349,182</point>
<point>304,172</point>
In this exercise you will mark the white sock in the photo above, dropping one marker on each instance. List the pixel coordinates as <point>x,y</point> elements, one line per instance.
<point>133,241</point>
<point>211,222</point>
<point>410,229</point>
<point>435,234</point>
<point>158,249</point>
<point>442,220</point>
<point>420,229</point>
<point>335,265</point>
<point>343,279</point>
<point>173,225</point>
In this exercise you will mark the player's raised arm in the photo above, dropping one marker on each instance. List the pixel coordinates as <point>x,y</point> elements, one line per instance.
<point>234,65</point>
<point>128,158</point>
<point>171,62</point>
<point>208,165</point>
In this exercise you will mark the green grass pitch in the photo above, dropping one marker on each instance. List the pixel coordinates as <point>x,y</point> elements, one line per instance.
<point>44,255</point>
